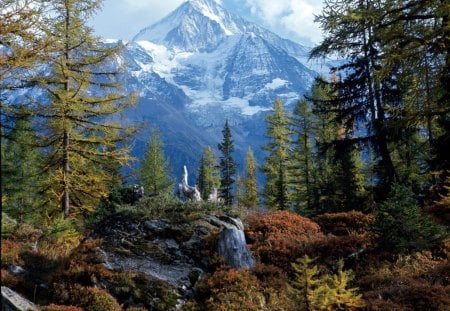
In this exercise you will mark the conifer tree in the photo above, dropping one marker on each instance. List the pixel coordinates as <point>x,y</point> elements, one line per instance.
<point>302,160</point>
<point>312,291</point>
<point>359,96</point>
<point>250,187</point>
<point>277,192</point>
<point>208,173</point>
<point>20,167</point>
<point>340,296</point>
<point>227,166</point>
<point>21,43</point>
<point>82,94</point>
<point>153,173</point>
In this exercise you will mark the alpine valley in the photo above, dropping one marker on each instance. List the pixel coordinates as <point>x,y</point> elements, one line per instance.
<point>202,64</point>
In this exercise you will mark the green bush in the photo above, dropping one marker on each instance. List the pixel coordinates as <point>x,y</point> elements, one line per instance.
<point>400,225</point>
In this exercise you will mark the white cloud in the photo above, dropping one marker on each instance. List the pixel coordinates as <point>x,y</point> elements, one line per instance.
<point>289,17</point>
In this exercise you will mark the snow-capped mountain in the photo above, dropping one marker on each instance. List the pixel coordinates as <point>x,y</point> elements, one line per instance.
<point>202,64</point>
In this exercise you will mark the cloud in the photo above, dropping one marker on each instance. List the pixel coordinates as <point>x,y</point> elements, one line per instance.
<point>291,18</point>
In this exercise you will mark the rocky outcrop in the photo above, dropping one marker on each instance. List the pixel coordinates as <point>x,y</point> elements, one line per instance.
<point>12,301</point>
<point>233,249</point>
<point>175,252</point>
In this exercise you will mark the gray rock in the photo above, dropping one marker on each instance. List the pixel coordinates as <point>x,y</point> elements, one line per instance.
<point>226,222</point>
<point>157,226</point>
<point>12,301</point>
<point>233,248</point>
<point>17,270</point>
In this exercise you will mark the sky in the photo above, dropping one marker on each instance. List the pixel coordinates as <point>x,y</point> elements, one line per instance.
<point>292,19</point>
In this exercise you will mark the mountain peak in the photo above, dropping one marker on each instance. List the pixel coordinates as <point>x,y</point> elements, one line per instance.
<point>195,25</point>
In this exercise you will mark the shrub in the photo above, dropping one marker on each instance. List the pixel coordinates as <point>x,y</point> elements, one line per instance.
<point>402,227</point>
<point>277,237</point>
<point>59,238</point>
<point>10,252</point>
<point>345,223</point>
<point>92,299</point>
<point>53,307</point>
<point>229,289</point>
<point>8,226</point>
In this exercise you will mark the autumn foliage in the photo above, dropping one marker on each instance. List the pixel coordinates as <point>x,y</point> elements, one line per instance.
<point>279,237</point>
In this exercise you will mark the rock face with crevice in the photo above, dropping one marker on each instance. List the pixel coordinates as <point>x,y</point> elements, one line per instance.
<point>174,252</point>
<point>12,301</point>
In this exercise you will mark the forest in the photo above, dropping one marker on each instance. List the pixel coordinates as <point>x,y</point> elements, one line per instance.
<point>354,212</point>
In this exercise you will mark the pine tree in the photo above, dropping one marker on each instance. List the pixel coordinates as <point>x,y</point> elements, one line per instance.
<point>302,160</point>
<point>360,96</point>
<point>153,173</point>
<point>250,187</point>
<point>20,167</point>
<point>227,166</point>
<point>402,227</point>
<point>82,93</point>
<point>208,173</point>
<point>277,194</point>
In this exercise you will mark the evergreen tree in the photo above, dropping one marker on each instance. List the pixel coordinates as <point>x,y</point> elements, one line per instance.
<point>360,96</point>
<point>83,93</point>
<point>277,194</point>
<point>302,163</point>
<point>402,227</point>
<point>250,187</point>
<point>312,291</point>
<point>153,173</point>
<point>208,173</point>
<point>20,167</point>
<point>22,43</point>
<point>227,166</point>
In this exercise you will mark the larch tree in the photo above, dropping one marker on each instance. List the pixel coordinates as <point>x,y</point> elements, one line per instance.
<point>249,183</point>
<point>83,94</point>
<point>208,173</point>
<point>277,192</point>
<point>21,44</point>
<point>227,165</point>
<point>154,171</point>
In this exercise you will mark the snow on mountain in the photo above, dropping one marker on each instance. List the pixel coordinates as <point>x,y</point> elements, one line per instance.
<point>201,64</point>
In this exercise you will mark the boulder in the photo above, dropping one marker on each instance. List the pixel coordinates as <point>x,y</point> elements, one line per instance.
<point>12,301</point>
<point>233,249</point>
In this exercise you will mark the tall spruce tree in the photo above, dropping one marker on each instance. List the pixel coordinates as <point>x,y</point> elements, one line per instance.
<point>227,165</point>
<point>359,96</point>
<point>277,192</point>
<point>302,161</point>
<point>82,94</point>
<point>154,171</point>
<point>208,173</point>
<point>20,167</point>
<point>249,183</point>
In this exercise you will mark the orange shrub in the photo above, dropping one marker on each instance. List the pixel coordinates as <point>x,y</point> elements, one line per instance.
<point>278,237</point>
<point>93,299</point>
<point>10,252</point>
<point>54,307</point>
<point>345,223</point>
<point>8,279</point>
<point>229,289</point>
